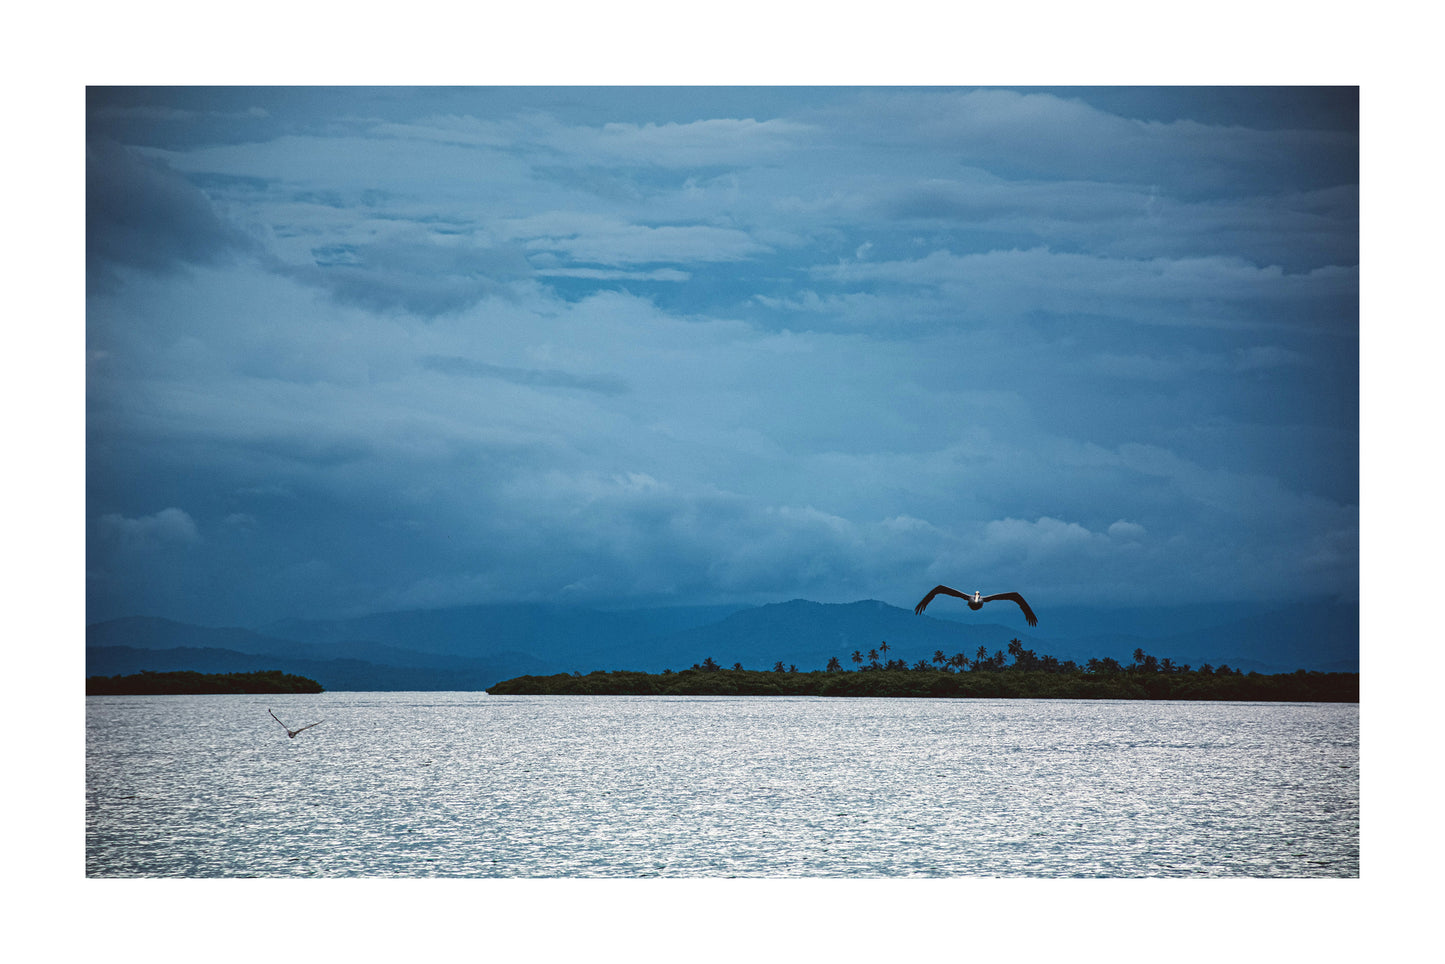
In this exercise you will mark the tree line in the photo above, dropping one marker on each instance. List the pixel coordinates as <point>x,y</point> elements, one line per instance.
<point>986,675</point>
<point>1024,660</point>
<point>189,683</point>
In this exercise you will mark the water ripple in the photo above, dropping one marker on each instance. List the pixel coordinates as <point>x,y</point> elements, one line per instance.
<point>461,784</point>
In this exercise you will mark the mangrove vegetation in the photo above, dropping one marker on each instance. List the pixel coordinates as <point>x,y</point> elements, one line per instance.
<point>983,675</point>
<point>187,683</point>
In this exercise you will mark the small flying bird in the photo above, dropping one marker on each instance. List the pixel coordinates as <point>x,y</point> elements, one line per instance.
<point>290,732</point>
<point>977,600</point>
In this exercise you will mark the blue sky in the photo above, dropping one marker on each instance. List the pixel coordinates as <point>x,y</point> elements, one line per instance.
<point>366,349</point>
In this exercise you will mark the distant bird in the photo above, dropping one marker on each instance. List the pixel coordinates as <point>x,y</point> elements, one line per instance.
<point>290,732</point>
<point>977,600</point>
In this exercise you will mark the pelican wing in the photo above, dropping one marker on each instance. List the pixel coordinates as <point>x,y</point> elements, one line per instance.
<point>1028,613</point>
<point>309,726</point>
<point>278,720</point>
<point>934,592</point>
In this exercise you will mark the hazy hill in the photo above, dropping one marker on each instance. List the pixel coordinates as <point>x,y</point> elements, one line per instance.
<point>808,634</point>
<point>150,632</point>
<point>471,647</point>
<point>133,644</point>
<point>146,632</point>
<point>559,632</point>
<point>1322,635</point>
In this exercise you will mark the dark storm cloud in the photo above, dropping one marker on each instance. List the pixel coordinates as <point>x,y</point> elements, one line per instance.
<point>178,116</point>
<point>139,213</point>
<point>723,346</point>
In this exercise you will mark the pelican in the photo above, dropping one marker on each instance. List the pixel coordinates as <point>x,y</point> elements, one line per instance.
<point>977,600</point>
<point>290,732</point>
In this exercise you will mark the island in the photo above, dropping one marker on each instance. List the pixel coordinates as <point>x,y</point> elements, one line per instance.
<point>188,683</point>
<point>1124,684</point>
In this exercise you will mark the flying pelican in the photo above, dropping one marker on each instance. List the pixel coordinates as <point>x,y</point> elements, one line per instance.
<point>290,732</point>
<point>977,600</point>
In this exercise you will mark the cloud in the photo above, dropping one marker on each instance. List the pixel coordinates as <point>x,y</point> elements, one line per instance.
<point>492,345</point>
<point>853,309</point>
<point>702,143</point>
<point>631,534</point>
<point>619,243</point>
<point>128,116</point>
<point>1040,134</point>
<point>1188,362</point>
<point>1299,231</point>
<point>168,527</point>
<point>976,196</point>
<point>1265,357</point>
<point>1043,537</point>
<point>139,213</point>
<point>427,279</point>
<point>1203,291</point>
<point>540,378</point>
<point>1127,531</point>
<point>602,274</point>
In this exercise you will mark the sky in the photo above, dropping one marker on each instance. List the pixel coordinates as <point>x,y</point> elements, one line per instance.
<point>355,350</point>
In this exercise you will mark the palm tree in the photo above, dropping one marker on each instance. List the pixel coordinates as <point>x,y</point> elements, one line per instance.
<point>857,657</point>
<point>959,660</point>
<point>737,666</point>
<point>873,658</point>
<point>939,658</point>
<point>833,665</point>
<point>884,647</point>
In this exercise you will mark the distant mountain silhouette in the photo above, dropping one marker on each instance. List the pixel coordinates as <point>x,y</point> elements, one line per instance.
<point>471,647</point>
<point>334,674</point>
<point>132,644</point>
<point>561,632</point>
<point>150,632</point>
<point>1322,635</point>
<point>808,633</point>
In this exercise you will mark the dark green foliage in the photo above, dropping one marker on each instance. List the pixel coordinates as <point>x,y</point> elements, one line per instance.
<point>185,682</point>
<point>1010,683</point>
<point>1030,676</point>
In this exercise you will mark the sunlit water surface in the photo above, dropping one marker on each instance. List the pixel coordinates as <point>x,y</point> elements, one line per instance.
<point>466,784</point>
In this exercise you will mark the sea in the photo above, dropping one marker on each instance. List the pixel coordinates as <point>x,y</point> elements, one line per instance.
<point>469,785</point>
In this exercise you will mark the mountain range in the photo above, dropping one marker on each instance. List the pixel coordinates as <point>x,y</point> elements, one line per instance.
<point>472,647</point>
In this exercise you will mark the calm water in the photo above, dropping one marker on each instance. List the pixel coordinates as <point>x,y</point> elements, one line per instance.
<point>465,784</point>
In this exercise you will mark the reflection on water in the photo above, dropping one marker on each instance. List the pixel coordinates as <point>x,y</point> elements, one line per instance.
<point>465,784</point>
